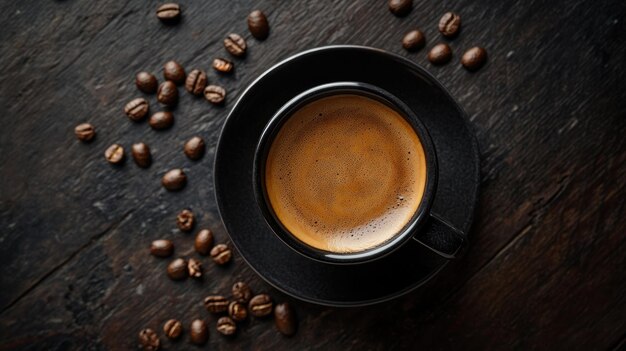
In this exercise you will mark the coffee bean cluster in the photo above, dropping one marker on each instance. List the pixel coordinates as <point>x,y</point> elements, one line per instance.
<point>196,82</point>
<point>228,313</point>
<point>242,303</point>
<point>181,268</point>
<point>449,27</point>
<point>138,109</point>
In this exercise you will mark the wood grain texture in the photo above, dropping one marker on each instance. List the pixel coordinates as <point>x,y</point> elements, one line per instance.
<point>545,264</point>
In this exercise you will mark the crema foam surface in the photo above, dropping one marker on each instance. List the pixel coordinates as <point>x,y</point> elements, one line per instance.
<point>345,173</point>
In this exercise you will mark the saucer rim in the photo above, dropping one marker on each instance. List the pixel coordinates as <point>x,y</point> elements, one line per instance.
<point>465,228</point>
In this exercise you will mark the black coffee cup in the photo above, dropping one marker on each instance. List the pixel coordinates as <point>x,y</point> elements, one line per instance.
<point>426,227</point>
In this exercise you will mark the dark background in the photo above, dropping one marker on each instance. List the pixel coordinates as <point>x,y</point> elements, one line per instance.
<point>545,269</point>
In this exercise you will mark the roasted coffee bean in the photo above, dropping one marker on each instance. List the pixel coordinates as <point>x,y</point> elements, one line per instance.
<point>194,148</point>
<point>260,305</point>
<point>161,120</point>
<point>85,132</point>
<point>258,25</point>
<point>141,155</point>
<point>199,332</point>
<point>440,54</point>
<point>137,109</point>
<point>196,82</point>
<point>146,82</point>
<point>169,13</point>
<point>237,311</point>
<point>167,93</point>
<point>194,267</point>
<point>216,304</point>
<point>400,7</point>
<point>177,269</point>
<point>162,248</point>
<point>413,40</point>
<point>222,65</point>
<point>174,179</point>
<point>226,326</point>
<point>204,241</point>
<point>114,154</point>
<point>241,292</point>
<point>185,220</point>
<point>215,94</point>
<point>221,254</point>
<point>285,319</point>
<point>474,58</point>
<point>173,328</point>
<point>149,340</point>
<point>173,71</point>
<point>235,45</point>
<point>450,24</point>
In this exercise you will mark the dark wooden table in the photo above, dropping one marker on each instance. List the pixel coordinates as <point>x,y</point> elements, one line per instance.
<point>546,264</point>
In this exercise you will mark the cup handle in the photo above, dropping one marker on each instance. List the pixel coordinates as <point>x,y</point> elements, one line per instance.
<point>441,237</point>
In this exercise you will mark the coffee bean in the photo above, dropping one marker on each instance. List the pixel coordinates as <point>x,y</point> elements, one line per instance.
<point>440,54</point>
<point>226,326</point>
<point>235,45</point>
<point>169,13</point>
<point>216,304</point>
<point>413,40</point>
<point>149,340</point>
<point>85,132</point>
<point>173,71</point>
<point>221,254</point>
<point>146,82</point>
<point>474,58</point>
<point>174,179</point>
<point>185,220</point>
<point>194,267</point>
<point>285,319</point>
<point>196,82</point>
<point>241,292</point>
<point>173,328</point>
<point>161,120</point>
<point>237,311</point>
<point>260,305</point>
<point>114,154</point>
<point>167,93</point>
<point>199,332</point>
<point>400,7</point>
<point>222,65</point>
<point>194,148</point>
<point>215,94</point>
<point>204,241</point>
<point>137,109</point>
<point>162,248</point>
<point>177,269</point>
<point>258,25</point>
<point>449,24</point>
<point>141,155</point>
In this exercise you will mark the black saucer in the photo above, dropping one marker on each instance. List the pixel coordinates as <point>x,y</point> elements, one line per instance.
<point>343,285</point>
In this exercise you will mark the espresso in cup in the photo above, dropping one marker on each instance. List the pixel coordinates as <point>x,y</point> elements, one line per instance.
<point>345,173</point>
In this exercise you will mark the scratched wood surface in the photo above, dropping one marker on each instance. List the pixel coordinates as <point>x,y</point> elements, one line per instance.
<point>545,269</point>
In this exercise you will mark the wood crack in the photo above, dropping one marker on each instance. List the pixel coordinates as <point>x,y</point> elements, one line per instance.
<point>620,344</point>
<point>56,268</point>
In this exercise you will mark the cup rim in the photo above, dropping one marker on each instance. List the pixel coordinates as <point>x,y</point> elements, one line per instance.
<point>277,121</point>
